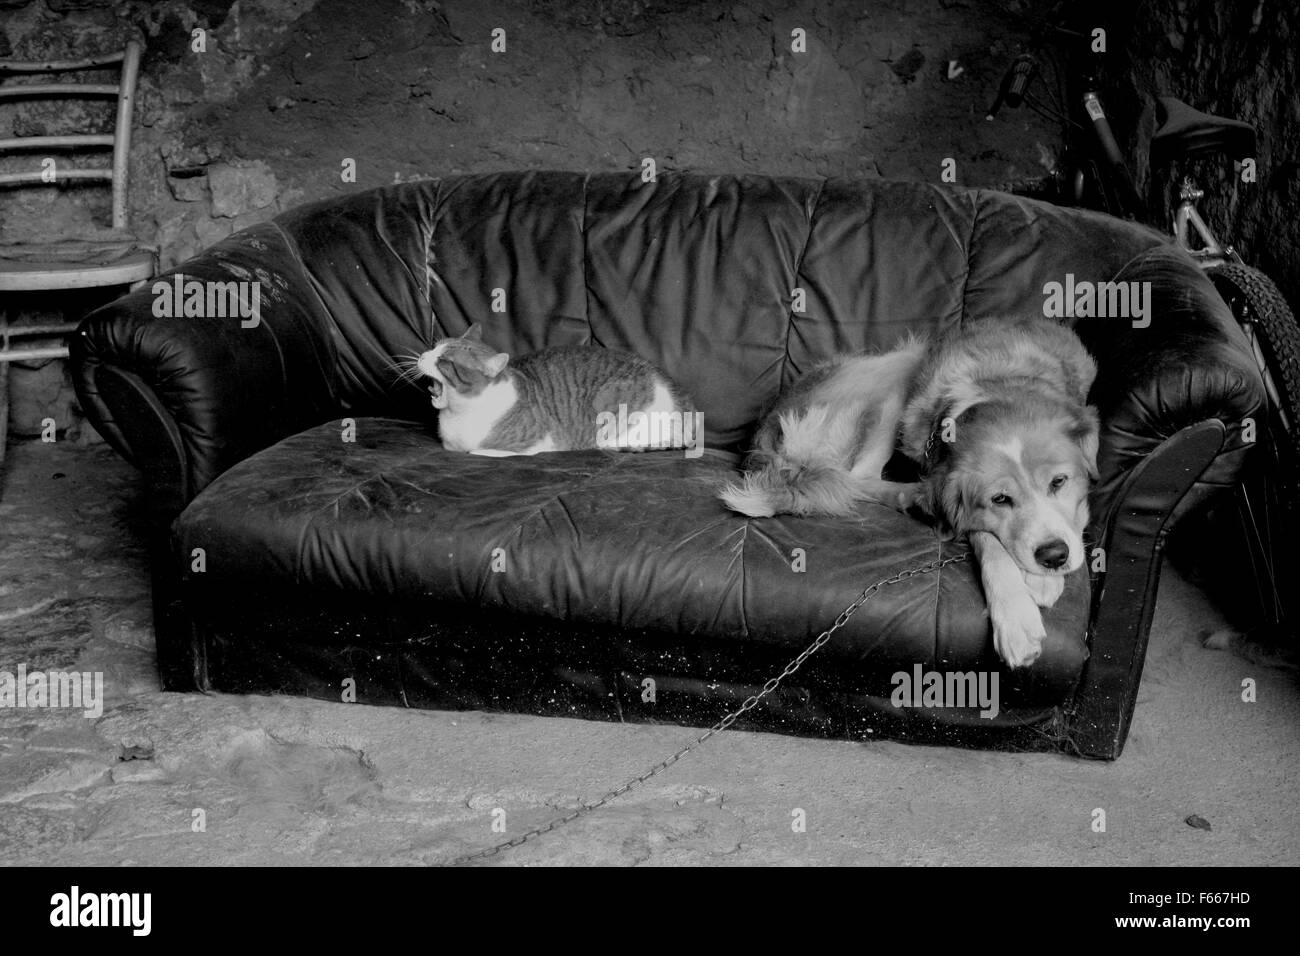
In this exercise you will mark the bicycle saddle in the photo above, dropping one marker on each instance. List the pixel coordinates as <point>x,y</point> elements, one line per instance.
<point>1184,131</point>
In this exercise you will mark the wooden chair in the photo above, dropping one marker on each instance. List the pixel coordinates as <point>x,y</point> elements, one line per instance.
<point>112,258</point>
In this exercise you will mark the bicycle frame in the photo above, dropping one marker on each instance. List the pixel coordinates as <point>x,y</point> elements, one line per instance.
<point>1186,217</point>
<point>1128,197</point>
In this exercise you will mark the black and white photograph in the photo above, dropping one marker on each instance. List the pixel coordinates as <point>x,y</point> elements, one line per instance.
<point>650,433</point>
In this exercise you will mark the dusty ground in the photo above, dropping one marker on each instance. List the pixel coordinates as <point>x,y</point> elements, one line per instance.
<point>283,780</point>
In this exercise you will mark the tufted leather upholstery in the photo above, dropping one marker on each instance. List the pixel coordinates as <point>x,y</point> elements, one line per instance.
<point>328,559</point>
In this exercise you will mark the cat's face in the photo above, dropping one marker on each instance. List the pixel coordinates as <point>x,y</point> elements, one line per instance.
<point>461,366</point>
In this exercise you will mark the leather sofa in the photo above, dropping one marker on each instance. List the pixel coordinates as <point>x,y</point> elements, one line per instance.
<point>310,535</point>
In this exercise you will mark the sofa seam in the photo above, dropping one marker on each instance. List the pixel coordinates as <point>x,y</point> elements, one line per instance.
<point>582,232</point>
<point>798,268</point>
<point>421,286</point>
<point>970,236</point>
<point>744,576</point>
<point>428,245</point>
<point>324,310</point>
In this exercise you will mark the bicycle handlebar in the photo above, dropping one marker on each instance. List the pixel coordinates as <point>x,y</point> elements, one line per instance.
<point>1012,92</point>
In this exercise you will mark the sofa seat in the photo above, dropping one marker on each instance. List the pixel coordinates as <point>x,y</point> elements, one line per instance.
<point>623,543</point>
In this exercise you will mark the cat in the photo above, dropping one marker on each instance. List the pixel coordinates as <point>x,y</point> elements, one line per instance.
<point>563,398</point>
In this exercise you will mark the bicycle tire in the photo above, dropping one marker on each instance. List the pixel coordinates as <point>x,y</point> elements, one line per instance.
<point>1275,325</point>
<point>1271,485</point>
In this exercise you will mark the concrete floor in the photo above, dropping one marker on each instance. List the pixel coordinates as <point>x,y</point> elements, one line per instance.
<point>290,781</point>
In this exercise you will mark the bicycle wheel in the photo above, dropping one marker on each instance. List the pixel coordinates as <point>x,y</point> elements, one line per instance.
<point>1268,500</point>
<point>1273,334</point>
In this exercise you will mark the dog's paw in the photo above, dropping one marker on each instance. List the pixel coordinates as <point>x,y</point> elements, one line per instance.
<point>1018,630</point>
<point>1045,589</point>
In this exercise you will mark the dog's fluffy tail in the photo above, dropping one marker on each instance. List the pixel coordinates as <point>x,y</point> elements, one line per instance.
<point>802,476</point>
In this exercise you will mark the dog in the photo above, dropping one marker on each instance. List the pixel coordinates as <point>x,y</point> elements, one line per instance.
<point>995,416</point>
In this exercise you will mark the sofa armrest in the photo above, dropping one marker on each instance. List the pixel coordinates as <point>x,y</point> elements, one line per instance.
<point>184,398</point>
<point>1190,364</point>
<point>1173,398</point>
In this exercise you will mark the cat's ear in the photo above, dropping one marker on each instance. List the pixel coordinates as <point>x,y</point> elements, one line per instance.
<point>474,333</point>
<point>494,365</point>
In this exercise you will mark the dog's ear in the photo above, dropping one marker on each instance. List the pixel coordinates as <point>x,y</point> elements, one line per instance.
<point>969,414</point>
<point>941,498</point>
<point>1086,433</point>
<point>941,495</point>
<point>945,431</point>
<point>955,505</point>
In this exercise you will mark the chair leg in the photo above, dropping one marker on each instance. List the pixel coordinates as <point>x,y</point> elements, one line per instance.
<point>4,409</point>
<point>4,385</point>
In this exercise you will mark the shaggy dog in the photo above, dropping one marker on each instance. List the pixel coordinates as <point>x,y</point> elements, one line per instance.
<point>994,413</point>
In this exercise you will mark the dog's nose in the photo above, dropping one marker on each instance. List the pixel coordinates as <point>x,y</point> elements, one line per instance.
<point>1053,554</point>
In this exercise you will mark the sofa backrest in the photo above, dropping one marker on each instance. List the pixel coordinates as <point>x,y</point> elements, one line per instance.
<point>700,274</point>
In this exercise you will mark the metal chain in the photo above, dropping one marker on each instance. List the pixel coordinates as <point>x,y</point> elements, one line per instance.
<point>722,724</point>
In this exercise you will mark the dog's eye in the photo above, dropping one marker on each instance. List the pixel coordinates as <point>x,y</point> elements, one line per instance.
<point>1003,500</point>
<point>1059,482</point>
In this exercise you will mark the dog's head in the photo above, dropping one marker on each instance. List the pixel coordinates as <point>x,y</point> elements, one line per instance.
<point>461,366</point>
<point>1020,470</point>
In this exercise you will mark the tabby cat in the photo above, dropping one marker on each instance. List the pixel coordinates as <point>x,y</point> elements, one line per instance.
<point>559,399</point>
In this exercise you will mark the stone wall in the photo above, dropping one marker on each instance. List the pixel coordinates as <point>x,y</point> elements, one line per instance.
<point>283,92</point>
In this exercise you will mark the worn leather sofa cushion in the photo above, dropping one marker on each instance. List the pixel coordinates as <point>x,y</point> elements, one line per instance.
<point>634,542</point>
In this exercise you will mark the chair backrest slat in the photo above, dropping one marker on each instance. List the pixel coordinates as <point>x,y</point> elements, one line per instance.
<point>63,175</point>
<point>56,142</point>
<point>61,66</point>
<point>58,89</point>
<point>120,140</point>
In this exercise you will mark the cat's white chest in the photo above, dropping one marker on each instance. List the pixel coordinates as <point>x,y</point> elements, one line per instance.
<point>466,423</point>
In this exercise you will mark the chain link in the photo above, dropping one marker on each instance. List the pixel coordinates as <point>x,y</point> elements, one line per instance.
<point>749,704</point>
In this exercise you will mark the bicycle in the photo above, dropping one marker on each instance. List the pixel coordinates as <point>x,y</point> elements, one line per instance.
<point>1093,173</point>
